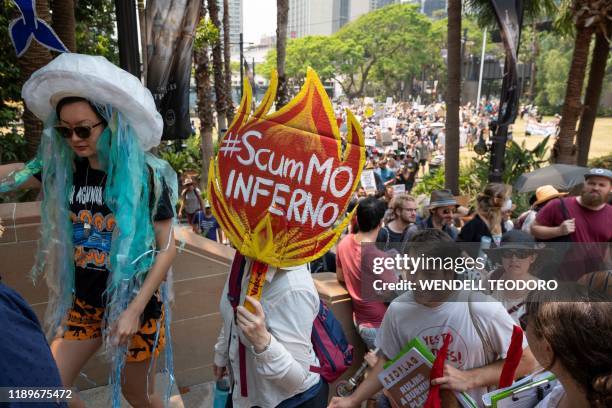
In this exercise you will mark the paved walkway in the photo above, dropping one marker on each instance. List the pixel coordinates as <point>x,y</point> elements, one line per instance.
<point>198,396</point>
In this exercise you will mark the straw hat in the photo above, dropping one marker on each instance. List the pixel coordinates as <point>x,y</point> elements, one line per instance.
<point>546,193</point>
<point>97,80</point>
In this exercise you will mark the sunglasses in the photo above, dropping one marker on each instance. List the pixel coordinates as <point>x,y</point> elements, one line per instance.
<point>82,132</point>
<point>518,253</point>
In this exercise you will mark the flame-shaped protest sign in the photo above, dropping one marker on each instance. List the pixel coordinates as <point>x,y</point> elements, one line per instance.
<point>282,180</point>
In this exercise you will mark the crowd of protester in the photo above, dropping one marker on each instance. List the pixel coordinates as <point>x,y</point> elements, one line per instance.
<point>406,141</point>
<point>519,247</point>
<point>107,247</point>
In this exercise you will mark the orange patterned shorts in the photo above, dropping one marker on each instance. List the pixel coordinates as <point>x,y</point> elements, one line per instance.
<point>85,323</point>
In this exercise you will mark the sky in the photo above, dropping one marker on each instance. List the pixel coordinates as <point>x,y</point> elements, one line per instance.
<point>258,19</point>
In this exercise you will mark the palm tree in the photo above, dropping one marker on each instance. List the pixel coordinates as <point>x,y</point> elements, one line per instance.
<point>34,58</point>
<point>282,16</point>
<point>227,59</point>
<point>564,149</point>
<point>220,87</point>
<point>593,93</point>
<point>64,23</point>
<point>453,97</point>
<point>205,35</point>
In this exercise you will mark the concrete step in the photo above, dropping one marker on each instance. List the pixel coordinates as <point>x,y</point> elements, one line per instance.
<point>198,396</point>
<point>100,397</point>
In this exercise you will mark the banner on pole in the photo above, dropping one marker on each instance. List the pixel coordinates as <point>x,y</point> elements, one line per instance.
<point>169,36</point>
<point>509,15</point>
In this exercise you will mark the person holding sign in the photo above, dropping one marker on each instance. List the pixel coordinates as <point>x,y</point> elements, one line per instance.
<point>275,331</point>
<point>280,187</point>
<point>480,331</point>
<point>408,173</point>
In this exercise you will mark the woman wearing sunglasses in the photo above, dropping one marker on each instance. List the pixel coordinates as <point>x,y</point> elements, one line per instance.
<point>106,220</point>
<point>518,260</point>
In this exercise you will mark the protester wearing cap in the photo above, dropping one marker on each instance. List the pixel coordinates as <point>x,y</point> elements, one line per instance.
<point>520,259</point>
<point>191,201</point>
<point>589,216</point>
<point>442,206</point>
<point>106,220</point>
<point>583,219</point>
<point>206,224</point>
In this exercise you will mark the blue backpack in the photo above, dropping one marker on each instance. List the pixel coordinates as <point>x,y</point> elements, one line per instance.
<point>334,352</point>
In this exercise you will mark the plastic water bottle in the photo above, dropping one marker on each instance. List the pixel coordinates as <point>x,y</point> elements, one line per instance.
<point>221,393</point>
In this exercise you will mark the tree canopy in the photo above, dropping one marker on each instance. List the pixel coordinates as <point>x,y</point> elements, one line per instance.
<point>379,50</point>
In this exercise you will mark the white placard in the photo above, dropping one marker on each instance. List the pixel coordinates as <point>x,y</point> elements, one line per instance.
<point>399,188</point>
<point>368,181</point>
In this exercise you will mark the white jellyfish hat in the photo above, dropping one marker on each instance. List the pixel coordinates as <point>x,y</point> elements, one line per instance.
<point>97,80</point>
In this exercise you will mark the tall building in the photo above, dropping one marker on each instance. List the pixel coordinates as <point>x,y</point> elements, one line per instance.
<point>360,7</point>
<point>316,17</point>
<point>235,17</point>
<point>431,8</point>
<point>325,17</point>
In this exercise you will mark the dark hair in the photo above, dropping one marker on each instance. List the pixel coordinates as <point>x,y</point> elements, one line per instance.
<point>582,342</point>
<point>532,199</point>
<point>369,213</point>
<point>74,99</point>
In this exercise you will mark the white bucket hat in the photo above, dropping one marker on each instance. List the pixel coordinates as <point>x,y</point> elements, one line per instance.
<point>97,80</point>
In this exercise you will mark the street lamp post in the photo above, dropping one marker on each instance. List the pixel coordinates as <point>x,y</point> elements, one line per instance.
<point>241,67</point>
<point>482,58</point>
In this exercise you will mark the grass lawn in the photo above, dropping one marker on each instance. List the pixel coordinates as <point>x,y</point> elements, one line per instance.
<point>601,142</point>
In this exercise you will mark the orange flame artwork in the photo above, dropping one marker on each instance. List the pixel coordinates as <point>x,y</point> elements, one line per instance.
<point>281,181</point>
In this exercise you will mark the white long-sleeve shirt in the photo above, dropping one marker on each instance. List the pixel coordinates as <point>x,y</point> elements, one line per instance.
<point>290,303</point>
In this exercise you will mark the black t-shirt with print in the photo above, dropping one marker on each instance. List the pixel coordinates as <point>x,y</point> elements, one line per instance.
<point>92,246</point>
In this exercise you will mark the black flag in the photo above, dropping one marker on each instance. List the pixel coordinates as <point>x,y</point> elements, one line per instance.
<point>509,14</point>
<point>170,32</point>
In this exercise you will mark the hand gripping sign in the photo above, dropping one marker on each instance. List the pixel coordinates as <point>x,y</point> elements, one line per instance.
<point>281,181</point>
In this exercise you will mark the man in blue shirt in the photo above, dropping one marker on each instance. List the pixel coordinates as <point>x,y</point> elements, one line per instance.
<point>386,174</point>
<point>206,224</point>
